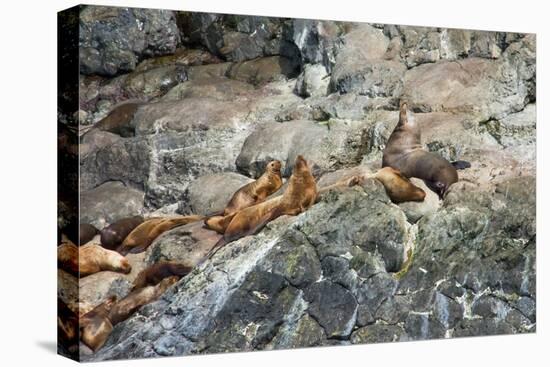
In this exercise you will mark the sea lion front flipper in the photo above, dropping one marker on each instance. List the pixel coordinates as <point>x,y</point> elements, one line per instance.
<point>461,164</point>
<point>437,187</point>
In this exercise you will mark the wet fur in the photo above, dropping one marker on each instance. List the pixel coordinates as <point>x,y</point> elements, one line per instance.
<point>95,326</point>
<point>86,233</point>
<point>114,234</point>
<point>155,273</point>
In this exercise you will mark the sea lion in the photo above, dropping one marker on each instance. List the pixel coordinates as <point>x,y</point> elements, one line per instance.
<point>143,235</point>
<point>398,187</point>
<point>250,194</point>
<point>95,326</point>
<point>119,119</point>
<point>93,258</point>
<point>86,233</point>
<point>137,298</point>
<point>153,274</point>
<point>405,153</point>
<point>114,234</point>
<point>67,257</point>
<point>300,194</point>
<point>67,326</point>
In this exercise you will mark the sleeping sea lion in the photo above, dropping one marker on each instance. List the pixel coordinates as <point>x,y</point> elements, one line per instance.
<point>67,257</point>
<point>114,234</point>
<point>153,274</point>
<point>137,298</point>
<point>86,233</point>
<point>93,258</point>
<point>143,235</point>
<point>405,153</point>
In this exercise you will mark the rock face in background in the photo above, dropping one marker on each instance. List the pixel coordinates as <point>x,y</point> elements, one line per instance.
<point>221,95</point>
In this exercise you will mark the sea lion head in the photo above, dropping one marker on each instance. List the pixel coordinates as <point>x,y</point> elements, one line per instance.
<point>274,167</point>
<point>300,164</point>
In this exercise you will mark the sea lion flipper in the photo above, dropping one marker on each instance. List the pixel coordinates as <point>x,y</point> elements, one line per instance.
<point>461,164</point>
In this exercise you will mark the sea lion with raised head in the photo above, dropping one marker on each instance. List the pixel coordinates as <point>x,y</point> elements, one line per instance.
<point>143,235</point>
<point>93,258</point>
<point>153,274</point>
<point>95,326</point>
<point>405,153</point>
<point>139,297</point>
<point>86,232</point>
<point>300,194</point>
<point>114,234</point>
<point>250,194</point>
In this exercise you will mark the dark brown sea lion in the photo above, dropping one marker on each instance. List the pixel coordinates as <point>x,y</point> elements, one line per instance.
<point>86,233</point>
<point>93,258</point>
<point>118,121</point>
<point>404,152</point>
<point>67,257</point>
<point>137,298</point>
<point>153,274</point>
<point>250,194</point>
<point>114,234</point>
<point>143,235</point>
<point>95,326</point>
<point>300,194</point>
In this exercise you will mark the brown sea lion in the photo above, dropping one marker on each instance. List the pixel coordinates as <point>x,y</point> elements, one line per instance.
<point>143,235</point>
<point>139,297</point>
<point>114,234</point>
<point>398,187</point>
<point>67,326</point>
<point>86,233</point>
<point>153,274</point>
<point>405,153</point>
<point>93,258</point>
<point>95,326</point>
<point>67,257</point>
<point>250,194</point>
<point>118,121</point>
<point>300,194</point>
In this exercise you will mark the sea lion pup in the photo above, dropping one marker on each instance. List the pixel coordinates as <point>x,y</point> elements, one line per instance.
<point>95,326</point>
<point>404,152</point>
<point>153,274</point>
<point>113,235</point>
<point>300,194</point>
<point>143,235</point>
<point>137,298</point>
<point>250,194</point>
<point>93,258</point>
<point>67,257</point>
<point>86,233</point>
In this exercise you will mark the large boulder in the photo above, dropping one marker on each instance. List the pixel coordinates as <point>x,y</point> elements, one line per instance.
<point>361,67</point>
<point>108,203</point>
<point>336,145</point>
<point>113,39</point>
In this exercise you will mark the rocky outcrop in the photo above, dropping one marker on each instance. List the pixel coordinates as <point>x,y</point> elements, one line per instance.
<point>355,268</point>
<point>113,40</point>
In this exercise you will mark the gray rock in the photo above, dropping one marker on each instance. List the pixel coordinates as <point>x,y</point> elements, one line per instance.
<point>312,81</point>
<point>377,333</point>
<point>337,145</point>
<point>108,203</point>
<point>333,307</point>
<point>305,333</point>
<point>264,70</point>
<point>211,193</point>
<point>113,40</point>
<point>219,88</point>
<point>153,82</point>
<point>416,210</point>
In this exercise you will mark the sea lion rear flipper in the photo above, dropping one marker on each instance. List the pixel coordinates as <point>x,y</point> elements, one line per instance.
<point>461,164</point>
